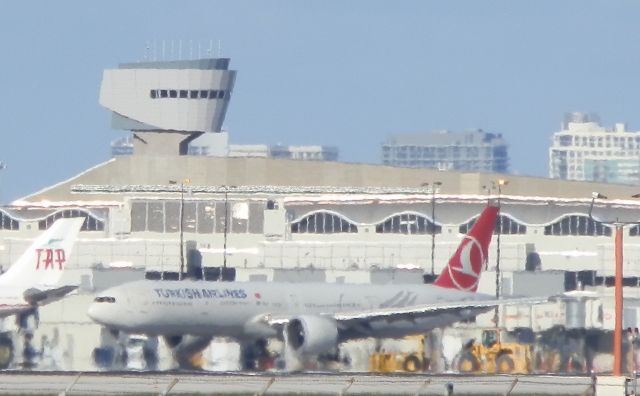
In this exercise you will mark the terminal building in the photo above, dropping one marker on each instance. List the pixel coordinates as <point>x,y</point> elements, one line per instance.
<point>273,218</point>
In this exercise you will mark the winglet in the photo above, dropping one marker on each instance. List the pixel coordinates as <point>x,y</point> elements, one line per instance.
<point>465,266</point>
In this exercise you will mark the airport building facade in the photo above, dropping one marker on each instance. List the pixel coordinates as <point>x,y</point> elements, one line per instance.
<point>283,219</point>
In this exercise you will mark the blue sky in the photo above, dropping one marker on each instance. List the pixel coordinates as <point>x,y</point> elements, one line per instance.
<point>343,73</point>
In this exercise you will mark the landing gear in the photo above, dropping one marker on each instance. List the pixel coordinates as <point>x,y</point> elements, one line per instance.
<point>187,350</point>
<point>254,356</point>
<point>27,322</point>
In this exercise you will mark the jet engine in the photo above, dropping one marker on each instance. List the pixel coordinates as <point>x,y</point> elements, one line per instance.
<point>311,335</point>
<point>185,347</point>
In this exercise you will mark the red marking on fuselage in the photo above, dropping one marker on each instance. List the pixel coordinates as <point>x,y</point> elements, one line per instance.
<point>47,258</point>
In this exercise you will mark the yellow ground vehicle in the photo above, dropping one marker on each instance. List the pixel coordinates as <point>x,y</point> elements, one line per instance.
<point>390,362</point>
<point>494,356</point>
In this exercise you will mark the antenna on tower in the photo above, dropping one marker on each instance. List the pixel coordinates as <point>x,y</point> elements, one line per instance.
<point>147,50</point>
<point>172,56</point>
<point>199,52</point>
<point>180,50</point>
<point>190,49</point>
<point>219,48</point>
<point>210,49</point>
<point>163,43</point>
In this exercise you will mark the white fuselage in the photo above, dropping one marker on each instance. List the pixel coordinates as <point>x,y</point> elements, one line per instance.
<point>232,308</point>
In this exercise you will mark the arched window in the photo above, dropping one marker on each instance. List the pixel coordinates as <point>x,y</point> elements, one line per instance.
<point>577,225</point>
<point>505,225</point>
<point>91,223</point>
<point>7,222</point>
<point>408,223</point>
<point>322,223</point>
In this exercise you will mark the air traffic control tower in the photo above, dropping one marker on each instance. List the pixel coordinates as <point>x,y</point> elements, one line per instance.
<point>167,104</point>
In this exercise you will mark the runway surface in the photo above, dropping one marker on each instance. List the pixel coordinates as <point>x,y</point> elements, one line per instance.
<point>123,383</point>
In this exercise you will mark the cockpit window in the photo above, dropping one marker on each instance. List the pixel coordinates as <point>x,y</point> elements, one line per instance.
<point>105,299</point>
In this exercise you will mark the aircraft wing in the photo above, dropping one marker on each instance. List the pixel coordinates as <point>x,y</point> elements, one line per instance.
<point>426,310</point>
<point>36,296</point>
<point>411,312</point>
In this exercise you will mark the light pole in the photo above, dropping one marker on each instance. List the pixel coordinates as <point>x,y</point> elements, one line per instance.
<point>618,298</point>
<point>489,189</point>
<point>3,165</point>
<point>181,230</point>
<point>226,229</point>
<point>181,225</point>
<point>434,186</point>
<point>500,183</point>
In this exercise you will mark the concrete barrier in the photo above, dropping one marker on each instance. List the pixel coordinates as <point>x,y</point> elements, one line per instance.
<point>612,386</point>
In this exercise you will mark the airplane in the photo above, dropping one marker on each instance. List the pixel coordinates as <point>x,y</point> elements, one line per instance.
<point>311,318</point>
<point>34,280</point>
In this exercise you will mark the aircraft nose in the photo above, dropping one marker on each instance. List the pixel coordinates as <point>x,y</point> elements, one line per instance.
<point>101,310</point>
<point>95,313</point>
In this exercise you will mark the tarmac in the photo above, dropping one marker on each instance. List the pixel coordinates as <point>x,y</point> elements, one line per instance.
<point>169,383</point>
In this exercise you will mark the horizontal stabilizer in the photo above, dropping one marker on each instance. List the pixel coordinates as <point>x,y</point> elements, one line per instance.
<point>40,297</point>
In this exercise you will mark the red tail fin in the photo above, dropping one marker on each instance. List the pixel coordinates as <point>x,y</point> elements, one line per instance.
<point>465,266</point>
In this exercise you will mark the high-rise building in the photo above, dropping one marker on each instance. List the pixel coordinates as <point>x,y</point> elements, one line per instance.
<point>585,150</point>
<point>475,150</point>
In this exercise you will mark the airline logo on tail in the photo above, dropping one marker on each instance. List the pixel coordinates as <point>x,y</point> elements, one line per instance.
<point>46,258</point>
<point>42,265</point>
<point>464,268</point>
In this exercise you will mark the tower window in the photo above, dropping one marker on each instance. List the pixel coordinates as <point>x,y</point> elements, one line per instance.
<point>184,93</point>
